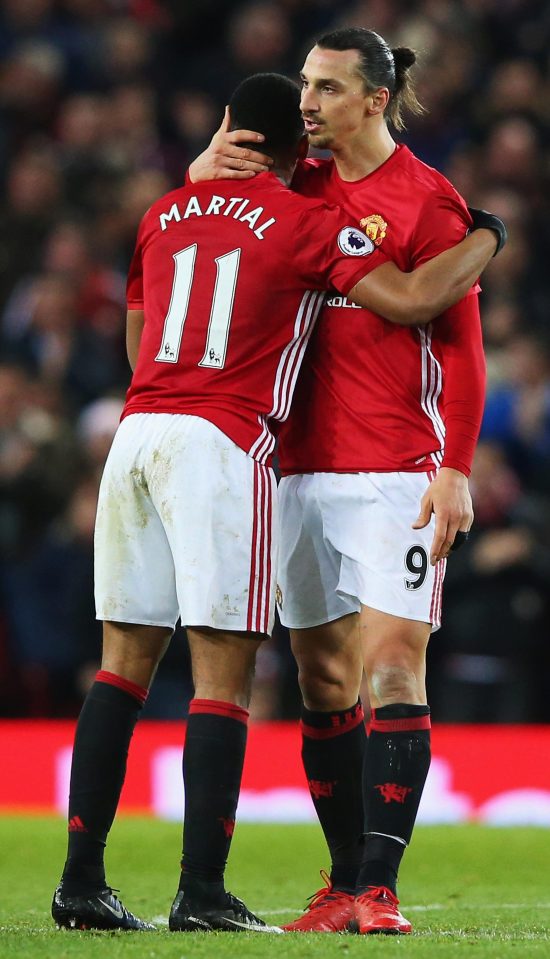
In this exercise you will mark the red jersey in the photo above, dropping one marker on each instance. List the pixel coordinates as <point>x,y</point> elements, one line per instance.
<point>229,277</point>
<point>371,395</point>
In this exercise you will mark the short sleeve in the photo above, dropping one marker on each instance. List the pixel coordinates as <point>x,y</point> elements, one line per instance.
<point>331,253</point>
<point>443,222</point>
<point>134,283</point>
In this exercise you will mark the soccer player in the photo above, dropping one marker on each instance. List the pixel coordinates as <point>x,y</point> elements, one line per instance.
<point>223,292</point>
<point>383,417</point>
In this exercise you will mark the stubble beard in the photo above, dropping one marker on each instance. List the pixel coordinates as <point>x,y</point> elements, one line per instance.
<point>321,141</point>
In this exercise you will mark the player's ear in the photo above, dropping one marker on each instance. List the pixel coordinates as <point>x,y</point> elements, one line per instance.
<point>303,147</point>
<point>377,101</point>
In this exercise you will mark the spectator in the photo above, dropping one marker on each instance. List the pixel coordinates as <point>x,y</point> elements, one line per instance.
<point>517,412</point>
<point>488,656</point>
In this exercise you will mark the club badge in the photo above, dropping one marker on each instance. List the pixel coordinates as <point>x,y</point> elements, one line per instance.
<point>375,227</point>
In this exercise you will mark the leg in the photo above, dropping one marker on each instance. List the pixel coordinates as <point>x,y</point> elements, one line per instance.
<point>397,759</point>
<point>333,741</point>
<point>134,652</point>
<point>220,508</point>
<point>223,664</point>
<point>329,663</point>
<point>223,669</point>
<point>394,655</point>
<point>130,658</point>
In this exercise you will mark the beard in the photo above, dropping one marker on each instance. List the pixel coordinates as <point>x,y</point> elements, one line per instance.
<point>321,140</point>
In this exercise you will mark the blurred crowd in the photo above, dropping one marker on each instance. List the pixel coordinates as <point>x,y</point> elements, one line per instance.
<point>103,103</point>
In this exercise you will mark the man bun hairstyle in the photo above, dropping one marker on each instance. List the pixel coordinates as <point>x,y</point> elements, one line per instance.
<point>380,66</point>
<point>269,103</point>
<point>405,96</point>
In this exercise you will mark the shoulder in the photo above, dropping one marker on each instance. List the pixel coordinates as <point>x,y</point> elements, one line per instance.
<point>429,181</point>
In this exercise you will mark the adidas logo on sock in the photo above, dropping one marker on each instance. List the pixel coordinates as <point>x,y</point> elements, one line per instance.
<point>76,825</point>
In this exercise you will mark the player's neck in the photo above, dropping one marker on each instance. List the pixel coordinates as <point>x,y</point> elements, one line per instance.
<point>364,154</point>
<point>283,174</point>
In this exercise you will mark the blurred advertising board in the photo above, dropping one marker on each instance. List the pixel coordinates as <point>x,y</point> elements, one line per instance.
<point>493,774</point>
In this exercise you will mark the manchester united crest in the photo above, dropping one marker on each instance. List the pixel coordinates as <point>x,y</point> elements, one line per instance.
<point>375,227</point>
<point>279,596</point>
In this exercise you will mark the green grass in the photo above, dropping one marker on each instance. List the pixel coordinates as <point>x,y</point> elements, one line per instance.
<point>486,891</point>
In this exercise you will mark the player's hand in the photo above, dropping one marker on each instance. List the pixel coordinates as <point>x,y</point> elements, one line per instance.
<point>448,497</point>
<point>483,220</point>
<point>225,159</point>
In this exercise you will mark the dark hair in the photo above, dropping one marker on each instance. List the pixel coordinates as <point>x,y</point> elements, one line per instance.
<point>380,66</point>
<point>270,104</point>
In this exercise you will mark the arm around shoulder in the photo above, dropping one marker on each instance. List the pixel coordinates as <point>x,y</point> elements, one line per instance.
<point>414,299</point>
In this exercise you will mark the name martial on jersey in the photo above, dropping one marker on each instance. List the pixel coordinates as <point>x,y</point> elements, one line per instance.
<point>234,207</point>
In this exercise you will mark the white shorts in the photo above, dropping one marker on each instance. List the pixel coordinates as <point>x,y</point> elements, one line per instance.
<point>346,541</point>
<point>185,528</point>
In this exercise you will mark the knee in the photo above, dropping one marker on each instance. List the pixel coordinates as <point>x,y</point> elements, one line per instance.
<point>328,684</point>
<point>133,652</point>
<point>223,665</point>
<point>393,683</point>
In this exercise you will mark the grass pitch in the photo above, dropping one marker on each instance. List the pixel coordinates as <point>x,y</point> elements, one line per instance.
<point>485,890</point>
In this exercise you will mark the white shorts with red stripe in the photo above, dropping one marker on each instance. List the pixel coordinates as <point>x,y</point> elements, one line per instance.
<point>185,528</point>
<point>346,541</point>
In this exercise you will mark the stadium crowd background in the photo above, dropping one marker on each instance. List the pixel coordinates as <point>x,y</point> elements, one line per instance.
<point>103,103</point>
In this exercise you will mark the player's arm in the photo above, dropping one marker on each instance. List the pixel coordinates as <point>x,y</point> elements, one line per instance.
<point>134,328</point>
<point>448,497</point>
<point>413,299</point>
<point>224,158</point>
<point>135,316</point>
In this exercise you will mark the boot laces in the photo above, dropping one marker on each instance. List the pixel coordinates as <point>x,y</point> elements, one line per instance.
<point>242,911</point>
<point>325,895</point>
<point>380,893</point>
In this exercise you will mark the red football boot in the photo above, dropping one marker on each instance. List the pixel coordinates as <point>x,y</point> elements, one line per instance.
<point>329,910</point>
<point>376,911</point>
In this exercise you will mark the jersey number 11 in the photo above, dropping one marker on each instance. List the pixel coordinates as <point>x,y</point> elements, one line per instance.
<point>227,267</point>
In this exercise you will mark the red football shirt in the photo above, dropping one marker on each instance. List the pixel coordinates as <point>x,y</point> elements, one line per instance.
<point>371,395</point>
<point>229,277</point>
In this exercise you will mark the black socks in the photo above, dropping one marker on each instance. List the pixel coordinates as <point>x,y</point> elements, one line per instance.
<point>103,735</point>
<point>333,746</point>
<point>212,770</point>
<point>396,766</point>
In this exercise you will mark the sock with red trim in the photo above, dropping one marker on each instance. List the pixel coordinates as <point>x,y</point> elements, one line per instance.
<point>333,746</point>
<point>100,751</point>
<point>396,766</point>
<point>213,760</point>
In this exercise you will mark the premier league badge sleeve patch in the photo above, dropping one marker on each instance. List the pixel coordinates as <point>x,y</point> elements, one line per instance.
<point>354,243</point>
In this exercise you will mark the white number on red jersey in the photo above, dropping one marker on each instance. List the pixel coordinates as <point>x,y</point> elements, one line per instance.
<point>220,314</point>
